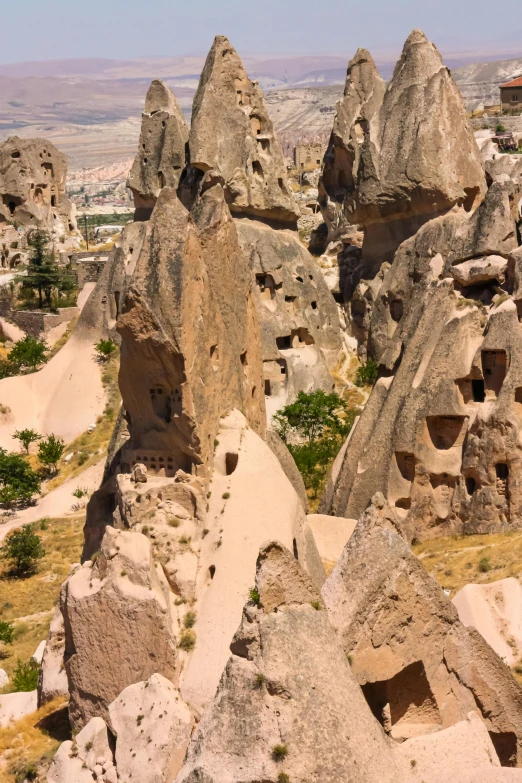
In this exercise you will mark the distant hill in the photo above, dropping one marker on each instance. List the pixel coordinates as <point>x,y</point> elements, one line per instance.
<point>479,82</point>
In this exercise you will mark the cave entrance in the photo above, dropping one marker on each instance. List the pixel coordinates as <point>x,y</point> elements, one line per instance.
<point>505,743</point>
<point>494,369</point>
<point>446,431</point>
<point>405,704</point>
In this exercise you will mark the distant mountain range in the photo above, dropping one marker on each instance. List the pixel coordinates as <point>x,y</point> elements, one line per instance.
<point>91,108</point>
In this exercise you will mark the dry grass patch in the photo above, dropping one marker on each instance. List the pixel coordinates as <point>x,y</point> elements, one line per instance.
<point>461,560</point>
<point>29,603</point>
<point>26,748</point>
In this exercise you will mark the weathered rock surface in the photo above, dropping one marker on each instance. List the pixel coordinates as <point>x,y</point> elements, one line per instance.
<point>16,705</point>
<point>152,726</point>
<point>118,617</point>
<point>232,138</point>
<point>278,709</point>
<point>52,678</point>
<point>419,667</point>
<point>32,185</point>
<point>495,611</point>
<point>401,155</point>
<point>162,152</point>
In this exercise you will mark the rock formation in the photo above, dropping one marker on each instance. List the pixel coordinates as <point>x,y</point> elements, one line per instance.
<point>32,185</point>
<point>162,152</point>
<point>232,138</point>
<point>419,667</point>
<point>402,155</point>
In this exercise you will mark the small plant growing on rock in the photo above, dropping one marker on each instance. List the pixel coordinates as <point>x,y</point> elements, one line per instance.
<point>187,640</point>
<point>413,763</point>
<point>279,752</point>
<point>184,540</point>
<point>205,532</point>
<point>283,778</point>
<point>225,495</point>
<point>254,596</point>
<point>367,374</point>
<point>316,605</point>
<point>174,522</point>
<point>259,681</point>
<point>105,349</point>
<point>25,677</point>
<point>189,620</point>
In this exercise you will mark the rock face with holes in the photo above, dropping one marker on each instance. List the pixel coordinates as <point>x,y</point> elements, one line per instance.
<point>32,189</point>
<point>441,433</point>
<point>420,669</point>
<point>162,152</point>
<point>402,154</point>
<point>119,625</point>
<point>232,138</point>
<point>278,709</point>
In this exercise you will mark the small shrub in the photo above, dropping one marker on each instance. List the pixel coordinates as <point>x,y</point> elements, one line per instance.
<point>413,763</point>
<point>448,572</point>
<point>259,681</point>
<point>484,565</point>
<point>187,640</point>
<point>80,492</point>
<point>88,745</point>
<point>105,349</point>
<point>225,495</point>
<point>123,573</point>
<point>184,540</point>
<point>174,522</point>
<point>44,523</point>
<point>254,596</point>
<point>279,752</point>
<point>22,549</point>
<point>25,677</point>
<point>367,374</point>
<point>205,532</point>
<point>83,456</point>
<point>189,620</point>
<point>6,632</point>
<point>316,605</point>
<point>283,778</point>
<point>349,658</point>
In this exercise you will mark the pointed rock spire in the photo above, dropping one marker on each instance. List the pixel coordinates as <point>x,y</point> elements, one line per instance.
<point>162,152</point>
<point>232,136</point>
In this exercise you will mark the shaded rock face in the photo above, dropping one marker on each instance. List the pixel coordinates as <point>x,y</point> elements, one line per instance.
<point>440,434</point>
<point>398,156</point>
<point>32,185</point>
<point>420,669</point>
<point>277,696</point>
<point>298,317</point>
<point>232,137</point>
<point>52,678</point>
<point>190,348</point>
<point>162,152</point>
<point>118,619</point>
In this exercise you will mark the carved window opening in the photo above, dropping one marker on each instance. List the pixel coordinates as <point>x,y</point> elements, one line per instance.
<point>494,369</point>
<point>446,431</point>
<point>257,168</point>
<point>300,337</point>
<point>284,342</point>
<point>406,464</point>
<point>396,309</point>
<point>15,154</point>
<point>212,571</point>
<point>471,485</point>
<point>268,388</point>
<point>267,286</point>
<point>502,476</point>
<point>404,700</point>
<point>265,144</point>
<point>505,743</point>
<point>214,356</point>
<point>231,460</point>
<point>478,390</point>
<point>518,394</point>
<point>314,305</point>
<point>294,549</point>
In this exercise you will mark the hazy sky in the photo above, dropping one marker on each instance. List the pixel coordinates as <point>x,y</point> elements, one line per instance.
<point>120,29</point>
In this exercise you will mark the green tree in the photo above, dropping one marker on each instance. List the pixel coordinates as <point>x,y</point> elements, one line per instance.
<point>22,549</point>
<point>105,349</point>
<point>6,632</point>
<point>28,353</point>
<point>367,374</point>
<point>26,437</point>
<point>18,481</point>
<point>25,677</point>
<point>314,428</point>
<point>50,451</point>
<point>43,275</point>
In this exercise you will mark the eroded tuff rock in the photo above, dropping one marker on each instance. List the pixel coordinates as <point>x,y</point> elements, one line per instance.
<point>298,317</point>
<point>440,434</point>
<point>399,156</point>
<point>419,667</point>
<point>118,614</point>
<point>276,691</point>
<point>32,185</point>
<point>52,678</point>
<point>89,756</point>
<point>162,152</point>
<point>232,137</point>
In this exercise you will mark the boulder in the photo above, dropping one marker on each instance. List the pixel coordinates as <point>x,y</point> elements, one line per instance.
<point>87,757</point>
<point>152,726</point>
<point>16,705</point>
<point>162,151</point>
<point>232,138</point>
<point>118,625</point>
<point>52,678</point>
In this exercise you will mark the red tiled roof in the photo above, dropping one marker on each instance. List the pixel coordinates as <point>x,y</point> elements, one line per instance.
<point>514,83</point>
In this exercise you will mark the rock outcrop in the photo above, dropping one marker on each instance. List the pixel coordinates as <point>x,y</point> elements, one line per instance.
<point>232,138</point>
<point>162,152</point>
<point>118,613</point>
<point>440,433</point>
<point>402,155</point>
<point>278,709</point>
<point>32,184</point>
<point>420,669</point>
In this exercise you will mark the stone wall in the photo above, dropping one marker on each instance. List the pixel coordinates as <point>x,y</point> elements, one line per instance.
<point>33,322</point>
